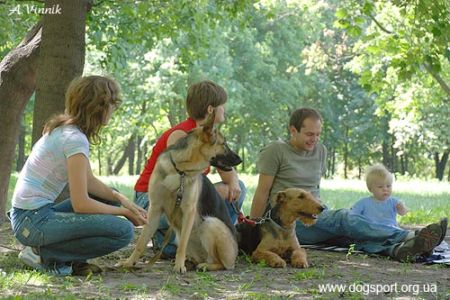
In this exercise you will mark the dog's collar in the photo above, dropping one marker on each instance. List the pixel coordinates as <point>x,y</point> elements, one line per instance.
<point>274,220</point>
<point>181,173</point>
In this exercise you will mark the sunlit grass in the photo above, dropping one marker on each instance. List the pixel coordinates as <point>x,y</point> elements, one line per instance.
<point>17,279</point>
<point>428,201</point>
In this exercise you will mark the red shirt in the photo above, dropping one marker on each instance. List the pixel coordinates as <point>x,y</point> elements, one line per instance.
<point>160,146</point>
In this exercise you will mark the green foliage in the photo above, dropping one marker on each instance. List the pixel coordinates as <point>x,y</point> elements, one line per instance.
<point>15,22</point>
<point>401,54</point>
<point>370,67</point>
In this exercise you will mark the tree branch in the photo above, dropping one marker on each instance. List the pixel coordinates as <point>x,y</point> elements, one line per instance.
<point>381,26</point>
<point>439,79</point>
<point>31,34</point>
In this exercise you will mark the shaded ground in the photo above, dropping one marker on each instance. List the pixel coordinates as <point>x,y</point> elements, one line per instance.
<point>357,272</point>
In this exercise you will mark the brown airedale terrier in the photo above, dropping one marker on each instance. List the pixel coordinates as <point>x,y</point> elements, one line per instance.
<point>276,232</point>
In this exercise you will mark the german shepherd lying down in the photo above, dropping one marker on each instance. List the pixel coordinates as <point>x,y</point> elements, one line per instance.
<point>201,222</point>
<point>275,238</point>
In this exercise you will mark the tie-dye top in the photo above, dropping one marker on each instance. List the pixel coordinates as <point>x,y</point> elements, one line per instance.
<point>44,174</point>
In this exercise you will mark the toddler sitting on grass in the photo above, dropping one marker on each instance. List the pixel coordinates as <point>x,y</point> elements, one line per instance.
<point>381,207</point>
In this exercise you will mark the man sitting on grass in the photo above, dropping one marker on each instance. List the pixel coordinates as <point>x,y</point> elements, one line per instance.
<point>300,162</point>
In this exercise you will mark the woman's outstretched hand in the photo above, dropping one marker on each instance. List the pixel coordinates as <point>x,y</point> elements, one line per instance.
<point>136,214</point>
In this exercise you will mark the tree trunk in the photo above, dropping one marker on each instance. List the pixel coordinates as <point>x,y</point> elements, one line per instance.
<point>393,156</point>
<point>20,160</point>
<point>61,58</point>
<point>17,84</point>
<point>131,155</point>
<point>333,163</point>
<point>244,166</point>
<point>448,177</point>
<point>346,153</point>
<point>125,155</point>
<point>402,164</point>
<point>387,156</point>
<point>440,164</point>
<point>331,159</point>
<point>108,166</point>
<point>140,154</point>
<point>406,158</point>
<point>359,167</point>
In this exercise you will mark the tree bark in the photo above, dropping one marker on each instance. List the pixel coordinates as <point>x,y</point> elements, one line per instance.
<point>346,153</point>
<point>333,163</point>
<point>20,160</point>
<point>140,154</point>
<point>61,59</point>
<point>125,155</point>
<point>440,164</point>
<point>131,155</point>
<point>17,84</point>
<point>359,168</point>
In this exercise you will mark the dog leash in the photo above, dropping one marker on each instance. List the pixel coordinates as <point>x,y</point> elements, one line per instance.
<point>242,218</point>
<point>180,190</point>
<point>166,240</point>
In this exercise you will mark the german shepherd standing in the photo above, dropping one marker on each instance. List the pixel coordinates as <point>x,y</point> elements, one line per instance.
<point>203,228</point>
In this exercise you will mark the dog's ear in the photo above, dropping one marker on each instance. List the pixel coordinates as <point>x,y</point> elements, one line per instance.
<point>281,197</point>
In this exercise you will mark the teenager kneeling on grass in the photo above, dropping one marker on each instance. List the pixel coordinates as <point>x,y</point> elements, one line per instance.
<point>60,238</point>
<point>300,162</point>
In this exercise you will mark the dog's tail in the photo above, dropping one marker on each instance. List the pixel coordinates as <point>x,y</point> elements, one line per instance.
<point>219,242</point>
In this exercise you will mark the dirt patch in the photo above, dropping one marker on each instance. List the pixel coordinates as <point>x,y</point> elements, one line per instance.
<point>360,275</point>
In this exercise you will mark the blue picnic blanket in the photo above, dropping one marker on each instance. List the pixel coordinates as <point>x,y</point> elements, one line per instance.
<point>441,254</point>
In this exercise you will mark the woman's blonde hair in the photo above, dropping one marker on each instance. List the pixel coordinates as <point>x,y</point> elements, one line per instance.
<point>88,101</point>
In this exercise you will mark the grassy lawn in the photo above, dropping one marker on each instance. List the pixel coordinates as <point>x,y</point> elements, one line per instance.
<point>427,200</point>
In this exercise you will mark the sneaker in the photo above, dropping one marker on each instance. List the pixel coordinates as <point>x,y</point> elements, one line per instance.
<point>443,223</point>
<point>425,241</point>
<point>84,269</point>
<point>33,260</point>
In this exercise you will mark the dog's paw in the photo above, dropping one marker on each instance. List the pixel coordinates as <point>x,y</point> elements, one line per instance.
<point>277,263</point>
<point>124,264</point>
<point>300,264</point>
<point>202,267</point>
<point>180,267</point>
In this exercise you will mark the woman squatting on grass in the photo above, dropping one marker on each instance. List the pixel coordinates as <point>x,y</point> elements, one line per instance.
<point>60,238</point>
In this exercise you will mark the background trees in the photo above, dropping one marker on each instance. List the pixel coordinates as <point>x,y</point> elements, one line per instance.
<point>378,72</point>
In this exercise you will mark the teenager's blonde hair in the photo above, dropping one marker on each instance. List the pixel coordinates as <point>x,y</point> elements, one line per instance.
<point>201,95</point>
<point>378,172</point>
<point>88,101</point>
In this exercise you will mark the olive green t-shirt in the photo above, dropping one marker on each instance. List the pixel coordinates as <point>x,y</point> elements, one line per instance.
<point>292,167</point>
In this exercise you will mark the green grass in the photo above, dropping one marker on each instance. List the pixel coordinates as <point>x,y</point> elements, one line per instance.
<point>427,201</point>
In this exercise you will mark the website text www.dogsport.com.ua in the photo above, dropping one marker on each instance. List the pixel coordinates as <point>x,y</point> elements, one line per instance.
<point>376,289</point>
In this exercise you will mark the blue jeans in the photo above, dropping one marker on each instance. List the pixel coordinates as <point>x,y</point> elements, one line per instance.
<point>141,199</point>
<point>62,236</point>
<point>368,236</point>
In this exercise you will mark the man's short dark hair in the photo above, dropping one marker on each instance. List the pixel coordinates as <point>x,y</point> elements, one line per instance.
<point>299,115</point>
